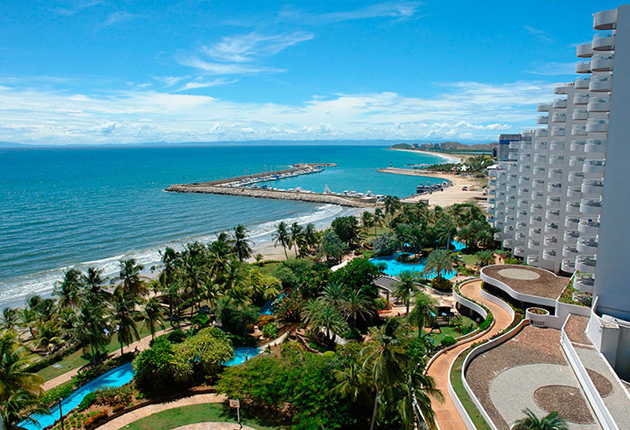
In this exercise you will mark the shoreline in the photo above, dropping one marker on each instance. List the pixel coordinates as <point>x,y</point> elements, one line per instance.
<point>459,159</point>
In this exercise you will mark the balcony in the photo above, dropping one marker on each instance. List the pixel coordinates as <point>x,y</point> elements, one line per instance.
<point>549,254</point>
<point>544,107</point>
<point>538,197</point>
<point>532,260</point>
<point>542,120</point>
<point>554,188</point>
<point>568,265</point>
<point>539,172</point>
<point>533,244</point>
<point>524,169</point>
<point>508,229</point>
<point>490,218</point>
<point>578,130</point>
<point>524,191</point>
<point>559,104</point>
<point>535,232</point>
<point>562,88</point>
<point>593,187</point>
<point>603,42</point>
<point>586,263</point>
<point>580,99</point>
<point>569,251</point>
<point>492,201</point>
<point>536,209</point>
<point>540,146</point>
<point>598,104</point>
<point>582,83</point>
<point>587,244</point>
<point>557,131</point>
<point>583,67</point>
<point>554,201</point>
<point>571,222</point>
<point>521,226</point>
<point>576,177</point>
<point>526,146</point>
<point>558,117</point>
<point>573,208</point>
<point>597,125</point>
<point>602,63</point>
<point>576,161</point>
<point>498,236</point>
<point>583,282</point>
<point>588,226</point>
<point>600,84</point>
<point>594,166</point>
<point>551,240</point>
<point>551,227</point>
<point>522,214</point>
<point>555,173</point>
<point>556,146</point>
<point>591,206</point>
<point>538,184</point>
<point>508,243</point>
<point>605,20</point>
<point>519,251</point>
<point>595,146</point>
<point>577,145</point>
<point>556,160</point>
<point>571,236</point>
<point>541,132</point>
<point>574,192</point>
<point>579,115</point>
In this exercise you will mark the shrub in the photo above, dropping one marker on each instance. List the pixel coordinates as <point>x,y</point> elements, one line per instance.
<point>448,341</point>
<point>263,320</point>
<point>385,244</point>
<point>57,393</point>
<point>442,284</point>
<point>95,418</point>
<point>87,401</point>
<point>176,336</point>
<point>270,331</point>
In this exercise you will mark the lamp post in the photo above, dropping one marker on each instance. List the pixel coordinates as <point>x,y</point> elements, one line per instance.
<point>61,415</point>
<point>235,403</point>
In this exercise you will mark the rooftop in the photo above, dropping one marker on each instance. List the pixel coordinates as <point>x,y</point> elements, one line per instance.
<point>528,280</point>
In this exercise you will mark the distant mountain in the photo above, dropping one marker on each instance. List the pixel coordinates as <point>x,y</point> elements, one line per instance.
<point>447,146</point>
<point>12,145</point>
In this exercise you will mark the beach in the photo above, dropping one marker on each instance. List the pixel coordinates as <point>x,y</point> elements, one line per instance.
<point>447,157</point>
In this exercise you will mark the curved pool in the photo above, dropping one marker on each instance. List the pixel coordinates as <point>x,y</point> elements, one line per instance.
<point>395,268</point>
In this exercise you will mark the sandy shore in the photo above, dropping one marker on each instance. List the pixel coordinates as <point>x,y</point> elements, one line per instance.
<point>448,158</point>
<point>450,195</point>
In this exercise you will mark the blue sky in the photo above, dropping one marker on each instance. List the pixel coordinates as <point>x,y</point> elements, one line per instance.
<point>96,71</point>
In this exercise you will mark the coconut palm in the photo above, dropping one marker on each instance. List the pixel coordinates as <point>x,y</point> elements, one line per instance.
<point>296,237</point>
<point>331,247</point>
<point>169,266</point>
<point>311,237</point>
<point>91,327</point>
<point>282,237</point>
<point>405,288</point>
<point>191,276</point>
<point>415,392</point>
<point>19,406</point>
<point>367,220</point>
<point>392,204</point>
<point>438,262</point>
<point>92,282</point>
<point>68,292</point>
<point>153,314</point>
<point>13,365</point>
<point>334,294</point>
<point>379,218</point>
<point>531,422</point>
<point>124,316</point>
<point>242,245</point>
<point>484,258</point>
<point>424,310</point>
<point>446,230</point>
<point>353,383</point>
<point>320,315</point>
<point>356,304</point>
<point>130,277</point>
<point>10,319</point>
<point>48,336</point>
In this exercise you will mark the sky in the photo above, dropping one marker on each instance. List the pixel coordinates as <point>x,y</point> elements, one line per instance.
<point>99,72</point>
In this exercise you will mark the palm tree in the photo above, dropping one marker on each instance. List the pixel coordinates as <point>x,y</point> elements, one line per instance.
<point>352,383</point>
<point>13,365</point>
<point>356,304</point>
<point>446,230</point>
<point>334,294</point>
<point>415,392</point>
<point>241,245</point>
<point>424,310</point>
<point>10,319</point>
<point>405,288</point>
<point>130,277</point>
<point>19,406</point>
<point>92,283</point>
<point>153,315</point>
<point>532,422</point>
<point>392,204</point>
<point>282,237</point>
<point>170,259</point>
<point>310,236</point>
<point>48,336</point>
<point>323,316</point>
<point>331,247</point>
<point>69,290</point>
<point>91,328</point>
<point>124,316</point>
<point>296,237</point>
<point>379,218</point>
<point>438,262</point>
<point>367,220</point>
<point>484,258</point>
<point>191,277</point>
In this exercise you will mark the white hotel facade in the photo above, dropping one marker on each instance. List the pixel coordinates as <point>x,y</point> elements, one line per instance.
<point>561,199</point>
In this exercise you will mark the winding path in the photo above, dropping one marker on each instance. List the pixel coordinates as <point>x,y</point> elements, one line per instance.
<point>446,414</point>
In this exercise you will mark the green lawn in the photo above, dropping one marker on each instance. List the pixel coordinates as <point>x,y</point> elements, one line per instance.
<point>267,269</point>
<point>469,259</point>
<point>456,380</point>
<point>450,331</point>
<point>76,359</point>
<point>173,418</point>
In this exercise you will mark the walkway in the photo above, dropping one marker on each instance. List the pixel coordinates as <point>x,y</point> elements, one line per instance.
<point>446,414</point>
<point>139,345</point>
<point>133,416</point>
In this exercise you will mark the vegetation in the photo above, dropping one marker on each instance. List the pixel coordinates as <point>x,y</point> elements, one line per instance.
<point>549,422</point>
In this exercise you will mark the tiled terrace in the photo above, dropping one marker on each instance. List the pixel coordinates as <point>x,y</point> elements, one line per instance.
<point>528,280</point>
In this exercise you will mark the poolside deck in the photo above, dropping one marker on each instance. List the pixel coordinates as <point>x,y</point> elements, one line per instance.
<point>528,280</point>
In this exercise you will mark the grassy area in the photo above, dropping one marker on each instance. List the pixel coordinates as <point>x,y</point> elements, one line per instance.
<point>450,331</point>
<point>267,269</point>
<point>456,380</point>
<point>469,259</point>
<point>76,359</point>
<point>173,418</point>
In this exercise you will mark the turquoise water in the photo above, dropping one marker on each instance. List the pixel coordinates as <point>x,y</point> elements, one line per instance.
<point>65,207</point>
<point>394,268</point>
<point>115,378</point>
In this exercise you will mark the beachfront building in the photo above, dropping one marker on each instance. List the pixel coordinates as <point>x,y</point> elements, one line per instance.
<point>560,200</point>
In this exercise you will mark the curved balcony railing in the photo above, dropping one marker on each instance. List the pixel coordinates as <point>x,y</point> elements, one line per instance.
<point>588,226</point>
<point>605,20</point>
<point>549,254</point>
<point>532,260</point>
<point>569,251</point>
<point>579,115</point>
<point>582,83</point>
<point>568,265</point>
<point>571,222</point>
<point>571,236</point>
<point>595,145</point>
<point>577,145</point>
<point>576,161</point>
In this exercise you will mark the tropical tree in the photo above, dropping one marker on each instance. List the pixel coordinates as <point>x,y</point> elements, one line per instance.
<point>91,327</point>
<point>446,230</point>
<point>392,204</point>
<point>549,422</point>
<point>242,245</point>
<point>424,310</point>
<point>282,237</point>
<point>92,283</point>
<point>379,218</point>
<point>124,316</point>
<point>405,288</point>
<point>331,247</point>
<point>416,391</point>
<point>356,304</point>
<point>347,228</point>
<point>19,406</point>
<point>13,365</point>
<point>320,315</point>
<point>367,220</point>
<point>68,292</point>
<point>191,275</point>
<point>130,277</point>
<point>296,238</point>
<point>153,314</point>
<point>311,237</point>
<point>439,261</point>
<point>334,294</point>
<point>484,258</point>
<point>10,319</point>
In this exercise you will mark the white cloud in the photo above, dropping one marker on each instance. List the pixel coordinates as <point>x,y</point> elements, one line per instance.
<point>397,10</point>
<point>169,81</point>
<point>77,6</point>
<point>214,68</point>
<point>540,34</point>
<point>464,110</point>
<point>247,47</point>
<point>205,84</point>
<point>116,18</point>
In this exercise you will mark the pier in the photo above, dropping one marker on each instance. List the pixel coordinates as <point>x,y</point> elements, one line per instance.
<point>247,186</point>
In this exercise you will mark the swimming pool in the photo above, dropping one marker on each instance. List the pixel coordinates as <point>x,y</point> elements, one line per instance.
<point>114,378</point>
<point>395,268</point>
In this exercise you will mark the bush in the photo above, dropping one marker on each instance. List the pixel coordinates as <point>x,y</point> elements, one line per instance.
<point>176,336</point>
<point>385,244</point>
<point>95,418</point>
<point>57,393</point>
<point>448,341</point>
<point>442,284</point>
<point>263,320</point>
<point>87,401</point>
<point>486,323</point>
<point>270,331</point>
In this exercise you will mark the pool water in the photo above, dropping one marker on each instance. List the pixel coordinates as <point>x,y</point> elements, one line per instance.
<point>114,378</point>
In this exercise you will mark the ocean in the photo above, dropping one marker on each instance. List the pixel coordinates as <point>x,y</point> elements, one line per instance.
<point>92,206</point>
